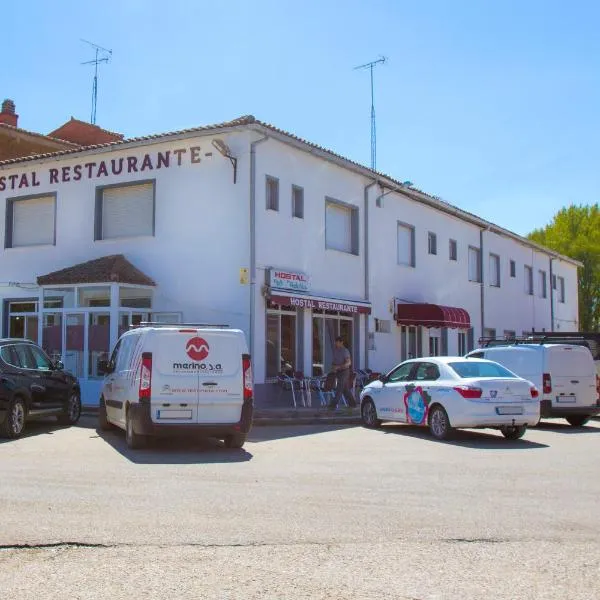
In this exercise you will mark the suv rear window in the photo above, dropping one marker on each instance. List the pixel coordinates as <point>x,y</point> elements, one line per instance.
<point>480,369</point>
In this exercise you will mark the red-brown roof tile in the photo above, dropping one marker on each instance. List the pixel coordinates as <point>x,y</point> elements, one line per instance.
<point>85,134</point>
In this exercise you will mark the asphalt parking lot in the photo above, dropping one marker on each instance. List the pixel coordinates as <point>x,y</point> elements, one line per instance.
<point>302,512</point>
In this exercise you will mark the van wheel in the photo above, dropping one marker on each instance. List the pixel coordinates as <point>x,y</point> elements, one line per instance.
<point>14,421</point>
<point>73,412</point>
<point>513,433</point>
<point>578,420</point>
<point>439,423</point>
<point>103,423</point>
<point>134,440</point>
<point>235,440</point>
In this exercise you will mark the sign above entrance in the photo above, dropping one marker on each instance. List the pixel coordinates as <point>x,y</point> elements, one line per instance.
<point>295,281</point>
<point>315,303</point>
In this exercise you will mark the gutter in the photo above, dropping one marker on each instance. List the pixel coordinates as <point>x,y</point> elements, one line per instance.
<point>253,241</point>
<point>551,289</point>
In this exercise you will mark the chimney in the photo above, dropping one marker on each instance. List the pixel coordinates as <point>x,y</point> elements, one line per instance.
<point>8,114</point>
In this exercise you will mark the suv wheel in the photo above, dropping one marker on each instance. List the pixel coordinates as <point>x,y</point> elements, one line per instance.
<point>14,422</point>
<point>235,440</point>
<point>73,412</point>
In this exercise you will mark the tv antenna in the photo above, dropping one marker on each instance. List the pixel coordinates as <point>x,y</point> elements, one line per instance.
<point>102,56</point>
<point>370,66</point>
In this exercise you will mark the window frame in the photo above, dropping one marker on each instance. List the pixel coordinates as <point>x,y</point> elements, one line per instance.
<point>98,225</point>
<point>354,225</point>
<point>543,278</point>
<point>561,289</point>
<point>452,250</point>
<point>9,219</point>
<point>432,243</point>
<point>528,279</point>
<point>513,268</point>
<point>479,264</point>
<point>296,214</point>
<point>269,205</point>
<point>495,258</point>
<point>412,259</point>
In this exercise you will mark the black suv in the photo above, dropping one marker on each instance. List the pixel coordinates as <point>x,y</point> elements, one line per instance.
<point>32,386</point>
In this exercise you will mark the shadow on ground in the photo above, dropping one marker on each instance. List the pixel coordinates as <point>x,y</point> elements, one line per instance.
<point>561,426</point>
<point>46,426</point>
<point>479,440</point>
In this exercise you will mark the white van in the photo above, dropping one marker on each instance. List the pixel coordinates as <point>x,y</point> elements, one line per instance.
<point>175,379</point>
<point>564,374</point>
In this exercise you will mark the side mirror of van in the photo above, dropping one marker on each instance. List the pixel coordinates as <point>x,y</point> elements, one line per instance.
<point>105,367</point>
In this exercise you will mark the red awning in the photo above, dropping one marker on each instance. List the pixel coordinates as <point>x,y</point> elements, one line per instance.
<point>432,315</point>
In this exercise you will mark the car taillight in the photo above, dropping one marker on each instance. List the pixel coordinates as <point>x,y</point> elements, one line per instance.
<point>247,370</point>
<point>534,392</point>
<point>469,391</point>
<point>547,383</point>
<point>146,376</point>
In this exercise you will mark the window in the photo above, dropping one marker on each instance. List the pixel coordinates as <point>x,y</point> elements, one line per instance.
<point>434,346</point>
<point>401,373</point>
<point>453,250</point>
<point>509,334</point>
<point>462,343</point>
<point>553,282</point>
<point>272,193</point>
<point>489,332</point>
<point>42,362</point>
<point>297,202</point>
<point>474,264</point>
<point>30,221</point>
<point>480,369</point>
<point>341,227</point>
<point>542,286</point>
<point>494,270</point>
<point>406,245</point>
<point>25,357</point>
<point>432,243</point>
<point>561,289</point>
<point>513,268</point>
<point>124,211</point>
<point>326,326</point>
<point>528,280</point>
<point>281,342</point>
<point>427,372</point>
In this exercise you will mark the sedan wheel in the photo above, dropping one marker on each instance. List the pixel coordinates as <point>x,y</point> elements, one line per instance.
<point>513,433</point>
<point>14,423</point>
<point>369,415</point>
<point>439,423</point>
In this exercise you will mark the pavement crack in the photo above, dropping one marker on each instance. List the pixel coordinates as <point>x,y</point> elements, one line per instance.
<point>54,545</point>
<point>475,541</point>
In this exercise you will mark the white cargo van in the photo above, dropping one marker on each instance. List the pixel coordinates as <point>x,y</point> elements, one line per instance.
<point>175,379</point>
<point>564,374</point>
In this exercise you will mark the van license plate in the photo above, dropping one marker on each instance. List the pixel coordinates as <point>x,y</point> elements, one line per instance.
<point>509,410</point>
<point>566,399</point>
<point>173,414</point>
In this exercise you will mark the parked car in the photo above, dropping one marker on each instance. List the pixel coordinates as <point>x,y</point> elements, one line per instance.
<point>444,393</point>
<point>33,386</point>
<point>565,374</point>
<point>169,380</point>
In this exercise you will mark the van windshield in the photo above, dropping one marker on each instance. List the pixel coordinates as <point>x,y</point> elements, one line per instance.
<point>469,369</point>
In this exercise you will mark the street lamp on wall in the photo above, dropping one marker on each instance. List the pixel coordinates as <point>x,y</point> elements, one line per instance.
<point>223,150</point>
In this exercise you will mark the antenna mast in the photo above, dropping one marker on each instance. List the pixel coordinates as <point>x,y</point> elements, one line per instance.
<point>102,55</point>
<point>370,66</point>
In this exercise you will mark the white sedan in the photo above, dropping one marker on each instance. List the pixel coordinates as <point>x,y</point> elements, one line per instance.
<point>447,392</point>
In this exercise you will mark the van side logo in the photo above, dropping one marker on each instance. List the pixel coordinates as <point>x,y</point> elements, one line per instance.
<point>197,348</point>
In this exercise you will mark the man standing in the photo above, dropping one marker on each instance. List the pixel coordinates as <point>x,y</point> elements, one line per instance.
<point>341,367</point>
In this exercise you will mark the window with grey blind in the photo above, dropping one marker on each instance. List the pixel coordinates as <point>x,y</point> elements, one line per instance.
<point>474,264</point>
<point>528,280</point>
<point>406,245</point>
<point>125,211</point>
<point>341,226</point>
<point>542,284</point>
<point>297,202</point>
<point>30,221</point>
<point>494,270</point>
<point>272,192</point>
<point>453,252</point>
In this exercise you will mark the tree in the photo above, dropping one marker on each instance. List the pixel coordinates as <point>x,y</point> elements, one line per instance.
<point>575,232</point>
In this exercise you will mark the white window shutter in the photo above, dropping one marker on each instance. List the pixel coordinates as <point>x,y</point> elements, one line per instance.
<point>404,245</point>
<point>33,221</point>
<point>128,211</point>
<point>338,227</point>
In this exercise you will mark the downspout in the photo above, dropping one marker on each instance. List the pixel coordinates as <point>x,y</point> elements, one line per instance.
<point>253,241</point>
<point>551,297</point>
<point>367,274</point>
<point>482,285</point>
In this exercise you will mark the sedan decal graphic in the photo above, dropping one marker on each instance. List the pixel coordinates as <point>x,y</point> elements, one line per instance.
<point>416,401</point>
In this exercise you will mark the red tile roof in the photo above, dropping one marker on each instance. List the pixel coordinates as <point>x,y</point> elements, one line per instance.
<point>85,134</point>
<point>115,268</point>
<point>38,136</point>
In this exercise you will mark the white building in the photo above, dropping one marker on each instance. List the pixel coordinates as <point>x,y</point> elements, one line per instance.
<point>244,224</point>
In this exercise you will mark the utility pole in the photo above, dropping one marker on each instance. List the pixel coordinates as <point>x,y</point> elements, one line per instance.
<point>370,66</point>
<point>102,55</point>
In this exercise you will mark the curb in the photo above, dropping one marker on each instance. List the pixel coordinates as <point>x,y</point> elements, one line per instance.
<point>273,418</point>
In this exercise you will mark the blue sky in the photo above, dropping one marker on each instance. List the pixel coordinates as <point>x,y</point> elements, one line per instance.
<point>490,104</point>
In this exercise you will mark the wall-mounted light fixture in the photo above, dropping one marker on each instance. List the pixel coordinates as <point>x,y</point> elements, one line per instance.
<point>224,150</point>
